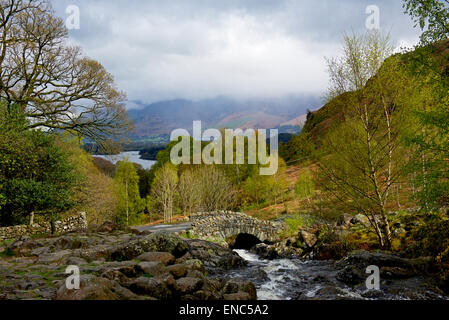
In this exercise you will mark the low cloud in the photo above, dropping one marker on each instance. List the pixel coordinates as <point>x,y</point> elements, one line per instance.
<point>159,50</point>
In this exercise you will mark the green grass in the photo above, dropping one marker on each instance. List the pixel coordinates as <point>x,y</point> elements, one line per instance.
<point>7,242</point>
<point>295,222</point>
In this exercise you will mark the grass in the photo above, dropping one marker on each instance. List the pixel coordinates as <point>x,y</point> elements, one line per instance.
<point>7,242</point>
<point>295,222</point>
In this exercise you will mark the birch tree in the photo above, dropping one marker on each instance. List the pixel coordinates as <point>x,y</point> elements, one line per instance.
<point>362,164</point>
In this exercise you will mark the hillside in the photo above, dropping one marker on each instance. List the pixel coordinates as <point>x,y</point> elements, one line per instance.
<point>331,114</point>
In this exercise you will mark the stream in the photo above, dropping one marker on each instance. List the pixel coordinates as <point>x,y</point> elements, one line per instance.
<point>298,279</point>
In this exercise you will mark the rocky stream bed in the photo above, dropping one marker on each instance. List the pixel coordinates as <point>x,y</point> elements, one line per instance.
<point>130,265</point>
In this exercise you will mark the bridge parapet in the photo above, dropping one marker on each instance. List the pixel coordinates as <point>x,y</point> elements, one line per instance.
<point>227,224</point>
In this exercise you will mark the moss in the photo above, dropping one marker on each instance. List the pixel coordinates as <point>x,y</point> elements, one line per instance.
<point>7,253</point>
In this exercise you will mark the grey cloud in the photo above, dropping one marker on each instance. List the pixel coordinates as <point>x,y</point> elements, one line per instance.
<point>239,48</point>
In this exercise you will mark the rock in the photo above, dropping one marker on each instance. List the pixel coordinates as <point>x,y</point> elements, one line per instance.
<point>351,275</point>
<point>214,256</point>
<point>195,264</point>
<point>156,242</point>
<point>94,288</point>
<point>391,267</point>
<point>362,219</point>
<point>188,285</point>
<point>153,268</point>
<point>57,257</point>
<point>107,227</point>
<point>396,273</point>
<point>154,287</point>
<point>362,259</point>
<point>177,270</point>
<point>23,247</point>
<point>117,276</point>
<point>239,296</point>
<point>309,239</point>
<point>130,269</point>
<point>163,257</point>
<point>345,220</point>
<point>75,261</point>
<point>94,253</point>
<point>234,286</point>
<point>265,251</point>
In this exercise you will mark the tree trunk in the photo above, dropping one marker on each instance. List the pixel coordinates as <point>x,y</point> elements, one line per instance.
<point>127,205</point>
<point>31,218</point>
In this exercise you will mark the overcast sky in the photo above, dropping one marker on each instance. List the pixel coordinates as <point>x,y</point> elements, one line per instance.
<point>197,49</point>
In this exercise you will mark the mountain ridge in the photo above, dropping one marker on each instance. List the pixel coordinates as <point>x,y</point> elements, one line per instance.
<point>165,116</point>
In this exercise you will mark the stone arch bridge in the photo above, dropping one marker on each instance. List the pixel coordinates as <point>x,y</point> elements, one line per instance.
<point>227,225</point>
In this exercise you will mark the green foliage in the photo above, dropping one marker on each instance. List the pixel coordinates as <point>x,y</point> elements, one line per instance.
<point>35,173</point>
<point>432,16</point>
<point>298,221</point>
<point>431,233</point>
<point>131,206</point>
<point>305,187</point>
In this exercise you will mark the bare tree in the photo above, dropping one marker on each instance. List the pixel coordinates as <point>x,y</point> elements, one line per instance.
<point>215,188</point>
<point>54,84</point>
<point>188,188</point>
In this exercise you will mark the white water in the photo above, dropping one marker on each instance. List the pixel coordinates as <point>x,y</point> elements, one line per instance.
<point>275,287</point>
<point>132,156</point>
<point>286,279</point>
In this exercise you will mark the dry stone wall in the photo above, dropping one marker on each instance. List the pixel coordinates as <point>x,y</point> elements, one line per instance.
<point>73,223</point>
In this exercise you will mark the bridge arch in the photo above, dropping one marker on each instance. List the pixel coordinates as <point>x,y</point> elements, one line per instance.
<point>226,225</point>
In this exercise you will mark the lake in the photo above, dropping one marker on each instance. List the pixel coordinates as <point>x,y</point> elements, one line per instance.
<point>132,156</point>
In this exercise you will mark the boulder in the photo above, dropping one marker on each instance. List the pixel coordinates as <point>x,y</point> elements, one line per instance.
<point>177,270</point>
<point>309,239</point>
<point>351,275</point>
<point>188,285</point>
<point>153,268</point>
<point>239,296</point>
<point>94,288</point>
<point>265,251</point>
<point>353,267</point>
<point>58,257</point>
<point>214,256</point>
<point>362,219</point>
<point>156,242</point>
<point>163,257</point>
<point>235,286</point>
<point>153,287</point>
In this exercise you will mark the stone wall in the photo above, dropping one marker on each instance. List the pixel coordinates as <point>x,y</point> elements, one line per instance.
<point>70,224</point>
<point>227,224</point>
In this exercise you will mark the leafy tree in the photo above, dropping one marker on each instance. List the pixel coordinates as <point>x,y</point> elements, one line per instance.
<point>36,175</point>
<point>305,187</point>
<point>432,16</point>
<point>164,190</point>
<point>430,65</point>
<point>94,192</point>
<point>364,151</point>
<point>53,83</point>
<point>130,205</point>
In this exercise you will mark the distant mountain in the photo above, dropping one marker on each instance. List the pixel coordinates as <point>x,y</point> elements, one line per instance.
<point>165,116</point>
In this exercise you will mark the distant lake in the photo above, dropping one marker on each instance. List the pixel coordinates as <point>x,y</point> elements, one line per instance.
<point>133,156</point>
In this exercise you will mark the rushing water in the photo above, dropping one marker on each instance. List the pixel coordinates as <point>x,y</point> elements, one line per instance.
<point>298,279</point>
<point>132,156</point>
